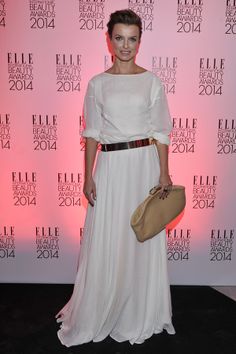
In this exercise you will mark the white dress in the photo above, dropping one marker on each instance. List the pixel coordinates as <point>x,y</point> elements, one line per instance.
<point>121,288</point>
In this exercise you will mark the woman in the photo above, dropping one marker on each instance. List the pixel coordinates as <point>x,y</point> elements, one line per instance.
<point>121,288</point>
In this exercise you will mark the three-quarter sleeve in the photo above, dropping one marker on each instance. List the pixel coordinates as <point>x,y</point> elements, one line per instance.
<point>160,119</point>
<point>92,114</point>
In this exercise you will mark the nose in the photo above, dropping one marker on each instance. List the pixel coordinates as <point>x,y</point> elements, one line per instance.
<point>125,43</point>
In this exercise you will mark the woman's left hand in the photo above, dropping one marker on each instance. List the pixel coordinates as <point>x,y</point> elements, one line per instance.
<point>166,184</point>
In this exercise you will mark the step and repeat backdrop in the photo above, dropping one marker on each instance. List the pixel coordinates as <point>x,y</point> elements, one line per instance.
<point>49,49</point>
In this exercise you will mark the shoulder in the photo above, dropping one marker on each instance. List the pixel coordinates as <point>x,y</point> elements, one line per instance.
<point>157,90</point>
<point>156,84</point>
<point>152,80</point>
<point>155,79</point>
<point>94,84</point>
<point>96,79</point>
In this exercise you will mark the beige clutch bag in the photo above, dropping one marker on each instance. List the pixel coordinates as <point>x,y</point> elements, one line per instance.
<point>154,214</point>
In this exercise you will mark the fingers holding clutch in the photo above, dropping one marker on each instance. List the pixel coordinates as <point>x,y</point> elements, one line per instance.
<point>165,191</point>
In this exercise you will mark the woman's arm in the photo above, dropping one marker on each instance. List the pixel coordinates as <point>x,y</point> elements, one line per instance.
<point>164,180</point>
<point>89,185</point>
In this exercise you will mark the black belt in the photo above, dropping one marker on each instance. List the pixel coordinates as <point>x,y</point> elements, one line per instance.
<point>126,145</point>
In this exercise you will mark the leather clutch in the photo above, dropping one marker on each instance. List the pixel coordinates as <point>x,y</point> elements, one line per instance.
<point>154,214</point>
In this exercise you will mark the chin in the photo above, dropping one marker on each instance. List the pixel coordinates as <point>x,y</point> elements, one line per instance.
<point>125,58</point>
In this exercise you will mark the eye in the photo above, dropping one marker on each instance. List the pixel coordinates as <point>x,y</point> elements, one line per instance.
<point>133,39</point>
<point>118,38</point>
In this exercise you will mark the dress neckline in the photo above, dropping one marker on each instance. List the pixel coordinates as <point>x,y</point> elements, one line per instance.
<point>143,72</point>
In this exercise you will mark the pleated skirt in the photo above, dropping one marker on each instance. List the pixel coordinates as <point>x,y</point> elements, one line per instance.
<point>122,287</point>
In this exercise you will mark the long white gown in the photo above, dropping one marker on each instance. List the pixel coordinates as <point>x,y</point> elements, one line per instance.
<point>121,288</point>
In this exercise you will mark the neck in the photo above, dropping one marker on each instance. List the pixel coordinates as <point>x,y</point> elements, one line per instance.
<point>120,67</point>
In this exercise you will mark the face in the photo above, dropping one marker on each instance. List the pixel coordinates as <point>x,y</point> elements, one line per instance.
<point>125,41</point>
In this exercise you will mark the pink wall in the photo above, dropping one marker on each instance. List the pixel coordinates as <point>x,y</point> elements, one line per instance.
<point>48,54</point>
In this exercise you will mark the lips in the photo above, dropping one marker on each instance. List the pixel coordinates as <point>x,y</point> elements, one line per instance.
<point>125,52</point>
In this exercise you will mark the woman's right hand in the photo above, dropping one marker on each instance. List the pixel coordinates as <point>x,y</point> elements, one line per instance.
<point>90,190</point>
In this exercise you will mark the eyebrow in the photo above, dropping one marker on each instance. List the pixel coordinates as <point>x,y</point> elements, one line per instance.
<point>117,34</point>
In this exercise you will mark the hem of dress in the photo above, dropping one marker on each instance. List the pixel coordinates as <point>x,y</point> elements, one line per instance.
<point>60,339</point>
<point>169,329</point>
<point>119,338</point>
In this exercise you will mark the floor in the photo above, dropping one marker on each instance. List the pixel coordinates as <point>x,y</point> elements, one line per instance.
<point>204,319</point>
